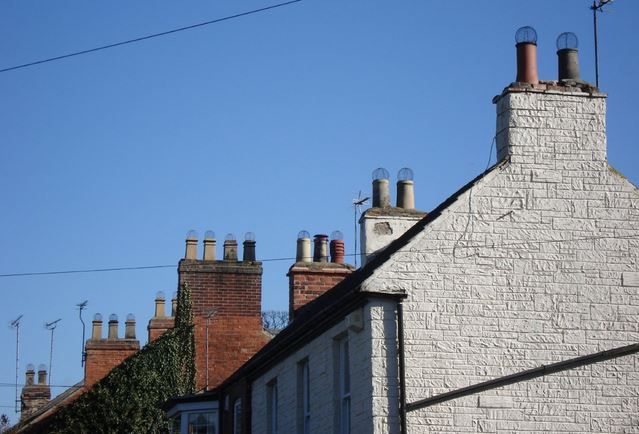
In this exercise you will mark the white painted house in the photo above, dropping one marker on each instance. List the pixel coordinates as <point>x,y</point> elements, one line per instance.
<point>511,307</point>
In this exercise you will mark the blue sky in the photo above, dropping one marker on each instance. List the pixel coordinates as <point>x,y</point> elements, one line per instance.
<point>269,123</point>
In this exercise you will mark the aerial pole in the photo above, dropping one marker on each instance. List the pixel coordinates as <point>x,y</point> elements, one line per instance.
<point>16,324</point>
<point>357,208</point>
<point>81,307</point>
<point>597,7</point>
<point>51,326</point>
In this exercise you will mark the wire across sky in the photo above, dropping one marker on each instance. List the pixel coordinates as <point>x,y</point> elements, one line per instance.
<point>144,38</point>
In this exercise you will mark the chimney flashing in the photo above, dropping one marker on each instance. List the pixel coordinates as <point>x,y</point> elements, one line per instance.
<point>553,87</point>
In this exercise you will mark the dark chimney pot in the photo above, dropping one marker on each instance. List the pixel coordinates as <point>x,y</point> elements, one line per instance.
<point>320,252</point>
<point>568,57</point>
<point>249,251</point>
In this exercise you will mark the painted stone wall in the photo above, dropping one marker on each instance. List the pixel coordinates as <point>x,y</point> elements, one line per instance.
<point>375,342</point>
<point>535,264</point>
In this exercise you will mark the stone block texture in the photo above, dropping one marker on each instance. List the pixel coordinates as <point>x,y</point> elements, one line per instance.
<point>234,290</point>
<point>535,264</point>
<point>372,403</point>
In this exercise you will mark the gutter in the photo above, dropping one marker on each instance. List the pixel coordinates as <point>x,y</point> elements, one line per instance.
<point>402,367</point>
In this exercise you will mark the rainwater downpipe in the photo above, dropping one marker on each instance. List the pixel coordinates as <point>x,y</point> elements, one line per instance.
<point>402,367</point>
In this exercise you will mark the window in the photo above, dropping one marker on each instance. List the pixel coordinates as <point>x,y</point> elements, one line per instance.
<point>271,407</point>
<point>303,398</point>
<point>201,423</point>
<point>344,386</point>
<point>237,416</point>
<point>174,424</point>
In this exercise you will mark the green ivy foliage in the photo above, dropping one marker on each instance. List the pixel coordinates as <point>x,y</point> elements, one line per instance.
<point>127,400</point>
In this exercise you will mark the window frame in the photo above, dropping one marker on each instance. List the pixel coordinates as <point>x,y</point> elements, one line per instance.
<point>303,397</point>
<point>343,386</point>
<point>271,407</point>
<point>237,416</point>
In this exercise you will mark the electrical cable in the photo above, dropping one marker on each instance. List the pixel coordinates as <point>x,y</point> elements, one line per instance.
<point>513,244</point>
<point>143,38</point>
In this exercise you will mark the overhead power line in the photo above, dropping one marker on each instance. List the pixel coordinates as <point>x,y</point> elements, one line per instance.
<point>90,270</point>
<point>523,245</point>
<point>155,35</point>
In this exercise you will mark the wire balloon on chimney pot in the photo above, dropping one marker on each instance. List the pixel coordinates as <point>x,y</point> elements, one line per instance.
<point>526,35</point>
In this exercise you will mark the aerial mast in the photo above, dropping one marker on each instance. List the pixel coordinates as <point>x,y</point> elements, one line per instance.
<point>16,324</point>
<point>51,326</point>
<point>597,7</point>
<point>81,307</point>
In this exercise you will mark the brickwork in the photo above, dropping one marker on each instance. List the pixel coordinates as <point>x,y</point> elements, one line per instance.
<point>234,290</point>
<point>105,354</point>
<point>534,264</point>
<point>157,326</point>
<point>33,397</point>
<point>309,280</point>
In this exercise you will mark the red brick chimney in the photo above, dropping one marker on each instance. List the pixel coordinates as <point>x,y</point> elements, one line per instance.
<point>102,355</point>
<point>160,321</point>
<point>308,280</point>
<point>34,395</point>
<point>233,290</point>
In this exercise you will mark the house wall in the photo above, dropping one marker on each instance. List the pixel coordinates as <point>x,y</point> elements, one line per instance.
<point>370,401</point>
<point>537,263</point>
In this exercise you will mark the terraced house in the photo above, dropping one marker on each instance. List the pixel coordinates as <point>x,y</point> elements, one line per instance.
<point>511,307</point>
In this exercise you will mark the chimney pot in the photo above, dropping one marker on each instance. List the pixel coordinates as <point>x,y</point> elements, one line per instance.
<point>129,327</point>
<point>113,326</point>
<point>568,57</point>
<point>337,251</point>
<point>96,333</point>
<point>249,247</point>
<point>526,38</point>
<point>159,305</point>
<point>405,189</point>
<point>209,246</point>
<point>303,247</point>
<point>191,245</point>
<point>230,248</point>
<point>320,252</point>
<point>42,374</point>
<point>30,375</point>
<point>381,194</point>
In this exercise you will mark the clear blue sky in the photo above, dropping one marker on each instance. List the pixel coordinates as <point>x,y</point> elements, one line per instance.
<point>269,123</point>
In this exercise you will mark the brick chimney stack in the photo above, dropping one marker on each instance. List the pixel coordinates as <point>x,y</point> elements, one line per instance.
<point>102,355</point>
<point>33,395</point>
<point>160,322</point>
<point>234,289</point>
<point>308,280</point>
